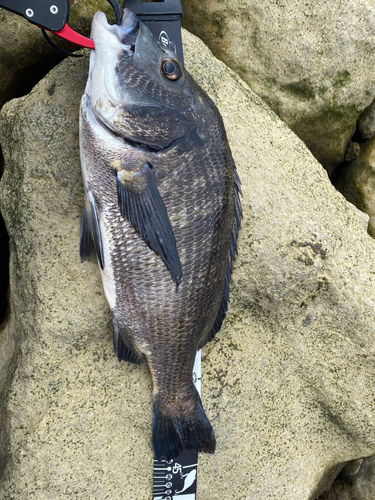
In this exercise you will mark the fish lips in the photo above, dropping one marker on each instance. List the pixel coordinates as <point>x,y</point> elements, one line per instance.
<point>118,45</point>
<point>123,37</point>
<point>127,32</point>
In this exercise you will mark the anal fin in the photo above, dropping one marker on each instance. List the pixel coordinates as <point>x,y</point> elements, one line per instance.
<point>123,348</point>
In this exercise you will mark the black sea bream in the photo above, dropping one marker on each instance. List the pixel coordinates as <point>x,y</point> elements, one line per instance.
<point>162,212</point>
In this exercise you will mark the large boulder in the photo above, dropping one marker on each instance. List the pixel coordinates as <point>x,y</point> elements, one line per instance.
<point>366,122</point>
<point>288,382</point>
<point>312,62</point>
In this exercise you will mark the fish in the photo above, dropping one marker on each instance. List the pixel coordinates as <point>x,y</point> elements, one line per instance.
<point>162,212</point>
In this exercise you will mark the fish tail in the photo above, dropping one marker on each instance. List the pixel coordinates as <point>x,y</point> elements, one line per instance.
<point>172,435</point>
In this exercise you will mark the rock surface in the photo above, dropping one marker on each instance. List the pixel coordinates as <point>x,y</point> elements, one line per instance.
<point>4,268</point>
<point>339,491</point>
<point>310,61</point>
<point>356,182</point>
<point>363,483</point>
<point>287,384</point>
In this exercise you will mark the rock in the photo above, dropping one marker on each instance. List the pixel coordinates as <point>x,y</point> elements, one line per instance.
<point>363,217</point>
<point>25,58</point>
<point>340,491</point>
<point>312,62</point>
<point>355,482</point>
<point>364,481</point>
<point>288,382</point>
<point>353,151</point>
<point>350,470</point>
<point>356,181</point>
<point>8,362</point>
<point>4,268</point>
<point>366,122</point>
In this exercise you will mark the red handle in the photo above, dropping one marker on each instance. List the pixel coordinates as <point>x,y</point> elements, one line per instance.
<point>69,34</point>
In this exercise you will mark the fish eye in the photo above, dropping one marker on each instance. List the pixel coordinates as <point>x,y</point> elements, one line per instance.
<point>170,69</point>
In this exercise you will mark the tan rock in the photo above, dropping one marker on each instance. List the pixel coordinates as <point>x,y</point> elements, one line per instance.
<point>339,491</point>
<point>312,62</point>
<point>355,482</point>
<point>364,480</point>
<point>287,384</point>
<point>25,58</point>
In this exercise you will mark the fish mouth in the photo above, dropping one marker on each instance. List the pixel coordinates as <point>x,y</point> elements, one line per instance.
<point>128,31</point>
<point>123,36</point>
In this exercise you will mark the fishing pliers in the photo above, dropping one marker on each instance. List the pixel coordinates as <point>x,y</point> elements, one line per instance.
<point>53,16</point>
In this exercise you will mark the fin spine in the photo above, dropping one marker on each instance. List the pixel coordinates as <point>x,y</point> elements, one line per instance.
<point>90,237</point>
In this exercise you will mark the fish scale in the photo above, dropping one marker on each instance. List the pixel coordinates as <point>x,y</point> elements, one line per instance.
<point>161,209</point>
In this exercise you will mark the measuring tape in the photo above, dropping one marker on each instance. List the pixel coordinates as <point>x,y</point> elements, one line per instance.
<point>173,479</point>
<point>177,479</point>
<point>163,19</point>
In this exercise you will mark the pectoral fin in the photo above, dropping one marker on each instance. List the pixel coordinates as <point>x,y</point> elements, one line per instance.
<point>90,237</point>
<point>141,203</point>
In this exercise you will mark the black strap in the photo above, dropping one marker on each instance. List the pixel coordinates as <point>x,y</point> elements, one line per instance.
<point>56,47</point>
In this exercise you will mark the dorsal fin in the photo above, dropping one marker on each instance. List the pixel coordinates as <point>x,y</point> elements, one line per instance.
<point>237,216</point>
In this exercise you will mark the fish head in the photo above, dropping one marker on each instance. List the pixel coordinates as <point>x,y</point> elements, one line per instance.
<point>137,87</point>
<point>112,43</point>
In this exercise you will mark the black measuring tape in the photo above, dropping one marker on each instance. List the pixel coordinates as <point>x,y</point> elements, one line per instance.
<point>163,19</point>
<point>173,479</point>
<point>177,479</point>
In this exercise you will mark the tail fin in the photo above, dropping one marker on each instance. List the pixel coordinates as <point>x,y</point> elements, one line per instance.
<point>170,436</point>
